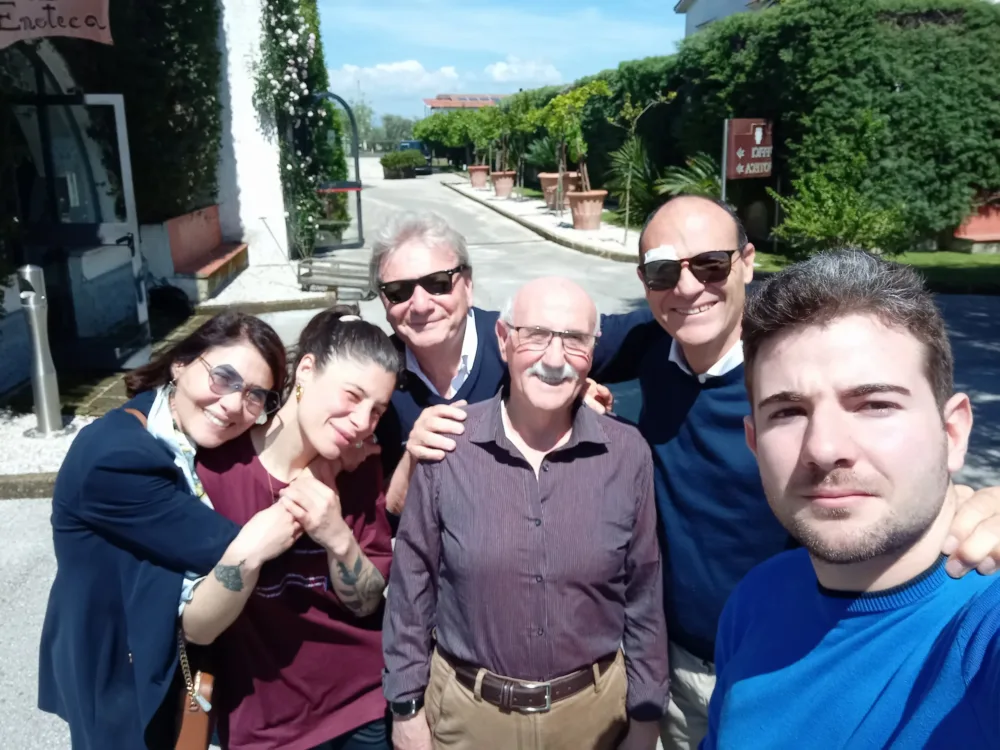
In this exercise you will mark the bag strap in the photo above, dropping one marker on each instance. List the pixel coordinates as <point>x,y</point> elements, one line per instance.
<point>138,415</point>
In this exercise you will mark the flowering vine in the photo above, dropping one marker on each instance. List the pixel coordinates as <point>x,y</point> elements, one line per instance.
<point>290,73</point>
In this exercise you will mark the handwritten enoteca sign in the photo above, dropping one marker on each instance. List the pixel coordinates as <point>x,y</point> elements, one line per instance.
<point>33,19</point>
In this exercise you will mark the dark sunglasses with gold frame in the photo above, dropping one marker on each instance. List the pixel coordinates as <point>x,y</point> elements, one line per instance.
<point>437,283</point>
<point>710,267</point>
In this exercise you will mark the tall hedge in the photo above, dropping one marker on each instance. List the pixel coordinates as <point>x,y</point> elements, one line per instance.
<point>167,63</point>
<point>818,68</point>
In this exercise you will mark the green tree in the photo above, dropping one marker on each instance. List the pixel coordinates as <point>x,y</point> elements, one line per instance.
<point>397,128</point>
<point>842,202</point>
<point>630,167</point>
<point>563,119</point>
<point>363,115</point>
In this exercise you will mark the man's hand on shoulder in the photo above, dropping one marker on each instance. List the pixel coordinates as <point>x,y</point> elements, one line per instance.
<point>428,440</point>
<point>974,538</point>
<point>412,733</point>
<point>599,397</point>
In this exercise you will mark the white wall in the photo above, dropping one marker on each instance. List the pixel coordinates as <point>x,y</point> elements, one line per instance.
<point>250,199</point>
<point>705,11</point>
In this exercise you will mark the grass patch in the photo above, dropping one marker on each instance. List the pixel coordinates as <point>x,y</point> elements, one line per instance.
<point>946,272</point>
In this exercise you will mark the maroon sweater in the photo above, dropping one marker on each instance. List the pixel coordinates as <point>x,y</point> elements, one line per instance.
<point>297,668</point>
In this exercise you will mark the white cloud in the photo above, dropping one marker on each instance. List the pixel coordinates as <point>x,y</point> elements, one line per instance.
<point>405,77</point>
<point>523,71</point>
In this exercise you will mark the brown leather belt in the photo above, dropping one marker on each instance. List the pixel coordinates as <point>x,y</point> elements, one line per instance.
<point>522,696</point>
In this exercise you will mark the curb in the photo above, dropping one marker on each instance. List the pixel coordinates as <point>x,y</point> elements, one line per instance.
<point>547,233</point>
<point>23,486</point>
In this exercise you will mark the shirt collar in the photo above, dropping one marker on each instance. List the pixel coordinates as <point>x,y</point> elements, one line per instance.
<point>586,427</point>
<point>470,346</point>
<point>729,362</point>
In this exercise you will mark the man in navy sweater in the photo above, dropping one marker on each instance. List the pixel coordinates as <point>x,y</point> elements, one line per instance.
<point>861,639</point>
<point>421,269</point>
<point>715,525</point>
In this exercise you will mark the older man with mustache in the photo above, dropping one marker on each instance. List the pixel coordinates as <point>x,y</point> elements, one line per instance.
<point>526,600</point>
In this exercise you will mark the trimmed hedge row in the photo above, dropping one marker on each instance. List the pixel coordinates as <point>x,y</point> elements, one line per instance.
<point>820,68</point>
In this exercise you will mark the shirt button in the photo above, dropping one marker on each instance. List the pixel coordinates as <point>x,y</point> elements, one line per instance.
<point>129,657</point>
<point>538,579</point>
<point>538,522</point>
<point>541,632</point>
<point>545,467</point>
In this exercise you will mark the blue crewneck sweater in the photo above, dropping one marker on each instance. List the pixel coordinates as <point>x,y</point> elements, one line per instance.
<point>917,666</point>
<point>715,523</point>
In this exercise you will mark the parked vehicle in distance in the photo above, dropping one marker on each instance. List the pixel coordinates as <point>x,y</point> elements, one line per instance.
<point>417,146</point>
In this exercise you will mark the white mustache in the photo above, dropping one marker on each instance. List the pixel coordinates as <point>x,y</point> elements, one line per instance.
<point>552,374</point>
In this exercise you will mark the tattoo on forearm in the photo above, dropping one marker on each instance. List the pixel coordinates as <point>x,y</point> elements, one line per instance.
<point>230,576</point>
<point>360,586</point>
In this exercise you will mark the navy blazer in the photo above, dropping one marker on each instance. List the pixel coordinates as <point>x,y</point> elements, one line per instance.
<point>125,529</point>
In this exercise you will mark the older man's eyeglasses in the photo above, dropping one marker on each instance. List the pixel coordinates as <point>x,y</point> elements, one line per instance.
<point>709,268</point>
<point>536,338</point>
<point>437,283</point>
<point>224,379</point>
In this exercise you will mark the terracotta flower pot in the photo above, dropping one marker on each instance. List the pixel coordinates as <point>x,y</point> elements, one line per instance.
<point>503,183</point>
<point>550,180</point>
<point>586,208</point>
<point>477,174</point>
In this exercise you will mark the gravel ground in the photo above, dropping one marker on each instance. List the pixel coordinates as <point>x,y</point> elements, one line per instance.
<point>23,455</point>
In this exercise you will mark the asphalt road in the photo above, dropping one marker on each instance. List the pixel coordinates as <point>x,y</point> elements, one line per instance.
<point>504,255</point>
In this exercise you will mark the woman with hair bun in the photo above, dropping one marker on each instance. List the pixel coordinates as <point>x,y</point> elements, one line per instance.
<point>301,665</point>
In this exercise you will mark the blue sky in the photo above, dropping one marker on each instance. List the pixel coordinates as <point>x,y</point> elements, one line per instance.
<point>400,52</point>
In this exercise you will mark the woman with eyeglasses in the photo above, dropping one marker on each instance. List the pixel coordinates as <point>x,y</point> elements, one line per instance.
<point>133,530</point>
<point>301,666</point>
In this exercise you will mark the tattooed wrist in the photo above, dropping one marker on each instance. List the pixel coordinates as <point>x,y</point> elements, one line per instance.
<point>230,576</point>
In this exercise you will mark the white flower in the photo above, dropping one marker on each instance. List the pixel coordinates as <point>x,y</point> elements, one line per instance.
<point>310,113</point>
<point>288,167</point>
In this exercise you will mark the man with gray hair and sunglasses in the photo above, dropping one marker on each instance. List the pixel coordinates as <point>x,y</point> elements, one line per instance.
<point>526,601</point>
<point>421,270</point>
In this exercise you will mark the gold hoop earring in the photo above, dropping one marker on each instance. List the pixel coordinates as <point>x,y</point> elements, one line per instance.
<point>298,392</point>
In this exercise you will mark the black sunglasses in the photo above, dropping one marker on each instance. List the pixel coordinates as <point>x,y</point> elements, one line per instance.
<point>709,268</point>
<point>437,283</point>
<point>223,380</point>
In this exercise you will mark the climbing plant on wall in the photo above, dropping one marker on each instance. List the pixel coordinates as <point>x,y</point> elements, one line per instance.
<point>290,72</point>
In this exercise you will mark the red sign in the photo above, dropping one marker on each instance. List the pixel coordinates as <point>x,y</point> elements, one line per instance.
<point>749,147</point>
<point>32,19</point>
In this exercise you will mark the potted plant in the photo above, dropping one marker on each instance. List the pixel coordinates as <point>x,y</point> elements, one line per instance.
<point>564,122</point>
<point>402,164</point>
<point>483,130</point>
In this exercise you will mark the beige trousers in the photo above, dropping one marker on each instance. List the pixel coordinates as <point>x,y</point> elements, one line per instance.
<point>692,681</point>
<point>593,719</point>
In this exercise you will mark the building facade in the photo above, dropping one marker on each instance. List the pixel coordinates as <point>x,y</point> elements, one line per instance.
<point>700,13</point>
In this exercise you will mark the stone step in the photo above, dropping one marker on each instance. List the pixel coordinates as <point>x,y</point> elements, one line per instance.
<point>205,277</point>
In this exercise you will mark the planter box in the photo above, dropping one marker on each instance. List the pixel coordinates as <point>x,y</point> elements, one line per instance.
<point>403,173</point>
<point>587,208</point>
<point>477,175</point>
<point>188,252</point>
<point>503,183</point>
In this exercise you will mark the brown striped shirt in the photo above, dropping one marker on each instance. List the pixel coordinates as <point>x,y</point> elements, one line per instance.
<point>529,577</point>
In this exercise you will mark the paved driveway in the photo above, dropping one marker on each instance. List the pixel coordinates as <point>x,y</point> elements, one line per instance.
<point>503,255</point>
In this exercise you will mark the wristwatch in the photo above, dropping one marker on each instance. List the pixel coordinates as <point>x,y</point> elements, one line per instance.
<point>406,709</point>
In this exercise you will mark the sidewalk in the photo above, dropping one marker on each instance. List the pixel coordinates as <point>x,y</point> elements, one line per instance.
<point>533,214</point>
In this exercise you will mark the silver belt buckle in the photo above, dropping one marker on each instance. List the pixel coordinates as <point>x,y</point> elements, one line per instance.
<point>548,698</point>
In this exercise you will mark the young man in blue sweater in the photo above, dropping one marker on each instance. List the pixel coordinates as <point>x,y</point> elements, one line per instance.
<point>860,639</point>
<point>715,525</point>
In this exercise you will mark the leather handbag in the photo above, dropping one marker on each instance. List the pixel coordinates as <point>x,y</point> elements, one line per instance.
<point>194,715</point>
